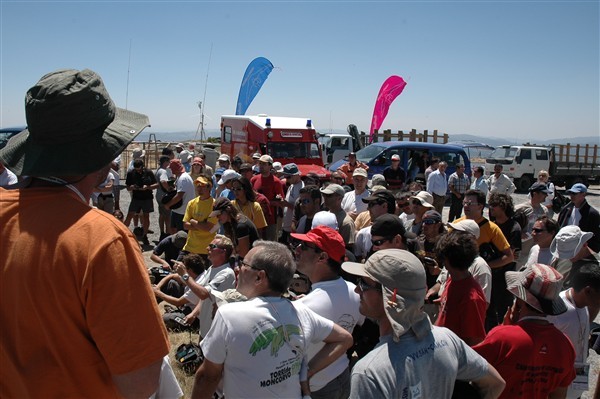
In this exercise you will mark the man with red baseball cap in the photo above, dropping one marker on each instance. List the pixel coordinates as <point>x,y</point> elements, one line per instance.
<point>320,256</point>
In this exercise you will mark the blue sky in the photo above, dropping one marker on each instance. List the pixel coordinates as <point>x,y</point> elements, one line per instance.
<point>526,69</point>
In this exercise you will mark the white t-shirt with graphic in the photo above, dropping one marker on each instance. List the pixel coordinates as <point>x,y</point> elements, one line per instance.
<point>262,344</point>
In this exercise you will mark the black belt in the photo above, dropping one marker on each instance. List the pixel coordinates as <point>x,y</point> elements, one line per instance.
<point>106,195</point>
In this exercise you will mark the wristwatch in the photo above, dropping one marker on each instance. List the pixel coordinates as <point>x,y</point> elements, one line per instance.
<point>185,277</point>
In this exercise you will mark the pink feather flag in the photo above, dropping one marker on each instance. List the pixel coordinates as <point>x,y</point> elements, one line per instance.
<point>390,89</point>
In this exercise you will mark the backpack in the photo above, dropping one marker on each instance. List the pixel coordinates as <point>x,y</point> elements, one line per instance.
<point>558,202</point>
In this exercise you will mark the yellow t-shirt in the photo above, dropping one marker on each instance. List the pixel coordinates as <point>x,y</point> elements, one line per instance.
<point>198,240</point>
<point>252,211</point>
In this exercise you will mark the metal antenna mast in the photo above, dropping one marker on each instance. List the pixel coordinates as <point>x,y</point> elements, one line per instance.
<point>201,104</point>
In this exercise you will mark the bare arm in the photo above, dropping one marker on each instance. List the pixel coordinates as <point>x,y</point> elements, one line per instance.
<point>140,383</point>
<point>193,224</point>
<point>159,260</point>
<point>169,299</point>
<point>490,385</point>
<point>206,380</point>
<point>505,259</point>
<point>175,199</point>
<point>336,344</point>
<point>196,288</point>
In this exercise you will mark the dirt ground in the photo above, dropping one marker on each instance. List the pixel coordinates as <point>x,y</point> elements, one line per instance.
<point>186,382</point>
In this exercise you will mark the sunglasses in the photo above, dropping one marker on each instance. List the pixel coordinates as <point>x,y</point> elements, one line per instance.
<point>402,205</point>
<point>536,230</point>
<point>430,221</point>
<point>305,247</point>
<point>214,246</point>
<point>366,287</point>
<point>377,243</point>
<point>374,203</point>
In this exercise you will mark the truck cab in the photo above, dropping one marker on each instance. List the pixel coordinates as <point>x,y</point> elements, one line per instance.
<point>285,139</point>
<point>520,163</point>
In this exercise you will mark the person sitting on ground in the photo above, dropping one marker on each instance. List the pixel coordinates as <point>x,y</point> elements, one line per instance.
<point>171,247</point>
<point>219,276</point>
<point>391,286</point>
<point>173,287</point>
<point>462,304</point>
<point>240,230</point>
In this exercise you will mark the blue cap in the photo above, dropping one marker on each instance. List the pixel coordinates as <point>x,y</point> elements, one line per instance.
<point>220,171</point>
<point>577,188</point>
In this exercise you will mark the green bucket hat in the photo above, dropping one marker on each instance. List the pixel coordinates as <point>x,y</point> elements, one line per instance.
<point>74,127</point>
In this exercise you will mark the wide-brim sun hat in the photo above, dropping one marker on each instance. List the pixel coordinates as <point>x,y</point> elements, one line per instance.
<point>74,127</point>
<point>569,241</point>
<point>539,286</point>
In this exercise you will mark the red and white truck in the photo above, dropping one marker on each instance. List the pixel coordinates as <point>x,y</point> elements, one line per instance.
<point>285,139</point>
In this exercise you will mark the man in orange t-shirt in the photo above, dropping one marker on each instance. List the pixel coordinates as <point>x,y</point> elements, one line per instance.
<point>78,315</point>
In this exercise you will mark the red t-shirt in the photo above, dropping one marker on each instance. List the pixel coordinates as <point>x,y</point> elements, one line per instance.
<point>268,186</point>
<point>462,308</point>
<point>534,359</point>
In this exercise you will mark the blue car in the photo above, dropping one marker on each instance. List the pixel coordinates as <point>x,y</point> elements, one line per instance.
<point>378,156</point>
<point>7,133</point>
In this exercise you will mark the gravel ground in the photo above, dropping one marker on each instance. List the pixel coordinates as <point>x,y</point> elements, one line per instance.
<point>593,198</point>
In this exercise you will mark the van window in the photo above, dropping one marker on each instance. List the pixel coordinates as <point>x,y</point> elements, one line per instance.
<point>293,150</point>
<point>450,157</point>
<point>227,134</point>
<point>541,155</point>
<point>387,156</point>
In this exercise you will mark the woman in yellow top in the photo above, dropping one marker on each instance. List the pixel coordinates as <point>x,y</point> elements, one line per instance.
<point>245,202</point>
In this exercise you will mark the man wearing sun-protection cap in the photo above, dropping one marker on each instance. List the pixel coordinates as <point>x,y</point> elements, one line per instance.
<point>412,355</point>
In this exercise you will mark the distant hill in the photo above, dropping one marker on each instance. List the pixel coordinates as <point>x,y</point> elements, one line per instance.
<point>493,141</point>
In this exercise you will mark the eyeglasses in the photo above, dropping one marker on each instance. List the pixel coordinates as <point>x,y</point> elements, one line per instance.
<point>254,267</point>
<point>430,221</point>
<point>374,203</point>
<point>305,247</point>
<point>468,203</point>
<point>366,287</point>
<point>537,231</point>
<point>377,243</point>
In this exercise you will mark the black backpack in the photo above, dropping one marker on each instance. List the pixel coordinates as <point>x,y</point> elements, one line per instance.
<point>558,202</point>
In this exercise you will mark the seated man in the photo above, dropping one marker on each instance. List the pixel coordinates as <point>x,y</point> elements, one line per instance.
<point>171,247</point>
<point>172,289</point>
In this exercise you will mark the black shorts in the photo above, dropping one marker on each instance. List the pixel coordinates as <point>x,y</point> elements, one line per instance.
<point>146,206</point>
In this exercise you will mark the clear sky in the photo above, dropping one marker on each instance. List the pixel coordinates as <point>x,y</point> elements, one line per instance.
<point>525,69</point>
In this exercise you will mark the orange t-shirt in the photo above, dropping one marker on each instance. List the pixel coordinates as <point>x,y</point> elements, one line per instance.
<point>76,306</point>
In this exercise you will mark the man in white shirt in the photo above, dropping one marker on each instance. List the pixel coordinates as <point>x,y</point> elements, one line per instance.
<point>352,202</point>
<point>185,192</point>
<point>259,347</point>
<point>320,257</point>
<point>437,185</point>
<point>500,183</point>
<point>295,184</point>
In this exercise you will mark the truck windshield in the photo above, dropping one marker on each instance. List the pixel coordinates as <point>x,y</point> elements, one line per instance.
<point>293,150</point>
<point>502,152</point>
<point>369,152</point>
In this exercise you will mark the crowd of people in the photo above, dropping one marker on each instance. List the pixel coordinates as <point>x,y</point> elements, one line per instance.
<point>352,287</point>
